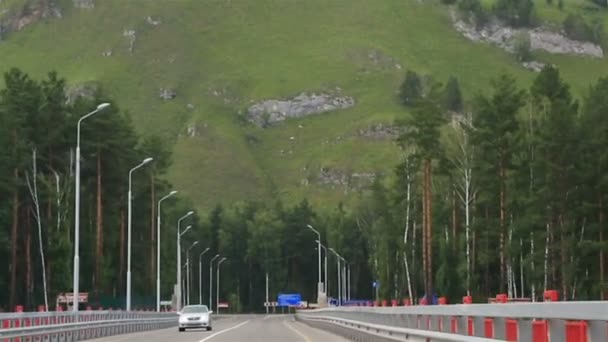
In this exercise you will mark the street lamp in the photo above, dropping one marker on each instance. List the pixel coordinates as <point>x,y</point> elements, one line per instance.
<point>211,280</point>
<point>158,249</point>
<point>344,284</point>
<point>178,283</point>
<point>319,284</point>
<point>200,276</point>
<point>325,279</point>
<point>217,292</point>
<point>144,162</point>
<point>338,256</point>
<point>76,273</point>
<point>188,266</point>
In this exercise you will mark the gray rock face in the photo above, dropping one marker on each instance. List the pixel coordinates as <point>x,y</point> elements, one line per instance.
<point>84,4</point>
<point>29,13</point>
<point>269,112</point>
<point>131,36</point>
<point>534,66</point>
<point>380,131</point>
<point>167,93</point>
<point>86,90</point>
<point>504,37</point>
<point>347,181</point>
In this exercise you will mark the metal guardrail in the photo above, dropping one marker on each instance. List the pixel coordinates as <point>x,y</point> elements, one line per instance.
<point>69,327</point>
<point>553,321</point>
<point>362,331</point>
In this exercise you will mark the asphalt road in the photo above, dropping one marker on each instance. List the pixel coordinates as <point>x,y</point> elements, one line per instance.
<point>249,328</point>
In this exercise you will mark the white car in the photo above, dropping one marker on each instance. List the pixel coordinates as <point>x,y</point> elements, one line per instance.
<point>195,316</point>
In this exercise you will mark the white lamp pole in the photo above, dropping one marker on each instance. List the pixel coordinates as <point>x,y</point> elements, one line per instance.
<point>200,276</point>
<point>158,249</point>
<point>211,280</point>
<point>178,282</point>
<point>319,284</point>
<point>217,300</point>
<point>338,256</point>
<point>325,279</point>
<point>76,271</point>
<point>144,162</point>
<point>188,275</point>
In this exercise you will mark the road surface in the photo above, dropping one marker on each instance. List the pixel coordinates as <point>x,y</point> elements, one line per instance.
<point>248,328</point>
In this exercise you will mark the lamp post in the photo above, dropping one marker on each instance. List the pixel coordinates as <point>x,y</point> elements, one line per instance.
<point>338,256</point>
<point>200,276</point>
<point>129,230</point>
<point>211,280</point>
<point>325,279</point>
<point>188,276</point>
<point>217,292</point>
<point>76,271</point>
<point>178,283</point>
<point>158,249</point>
<point>344,290</point>
<point>319,284</point>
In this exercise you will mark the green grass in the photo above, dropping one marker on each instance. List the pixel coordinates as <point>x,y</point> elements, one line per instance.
<point>266,49</point>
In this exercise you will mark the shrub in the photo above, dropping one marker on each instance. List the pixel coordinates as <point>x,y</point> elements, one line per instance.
<point>516,12</point>
<point>577,28</point>
<point>475,9</point>
<point>523,49</point>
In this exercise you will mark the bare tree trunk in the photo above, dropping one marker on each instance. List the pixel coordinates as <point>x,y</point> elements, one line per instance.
<point>407,227</point>
<point>454,219</point>
<point>99,226</point>
<point>502,223</point>
<point>428,240</point>
<point>424,244</point>
<point>564,257</point>
<point>546,267</point>
<point>601,237</point>
<point>152,256</point>
<point>29,284</point>
<point>122,247</point>
<point>33,188</point>
<point>14,247</point>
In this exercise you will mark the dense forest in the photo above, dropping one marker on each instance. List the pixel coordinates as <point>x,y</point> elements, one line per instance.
<point>502,193</point>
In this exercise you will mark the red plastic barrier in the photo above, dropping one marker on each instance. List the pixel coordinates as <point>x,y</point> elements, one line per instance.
<point>489,328</point>
<point>442,301</point>
<point>540,331</point>
<point>470,326</point>
<point>394,302</point>
<point>511,330</point>
<point>6,324</point>
<point>502,298</point>
<point>576,331</point>
<point>551,296</point>
<point>467,300</point>
<point>407,302</point>
<point>384,302</point>
<point>423,301</point>
<point>454,325</point>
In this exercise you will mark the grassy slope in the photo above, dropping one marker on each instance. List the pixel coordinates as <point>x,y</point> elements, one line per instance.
<point>264,49</point>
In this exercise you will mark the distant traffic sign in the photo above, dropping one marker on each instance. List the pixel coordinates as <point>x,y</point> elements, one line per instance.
<point>289,299</point>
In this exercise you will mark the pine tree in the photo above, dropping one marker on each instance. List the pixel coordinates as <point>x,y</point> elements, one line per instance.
<point>411,88</point>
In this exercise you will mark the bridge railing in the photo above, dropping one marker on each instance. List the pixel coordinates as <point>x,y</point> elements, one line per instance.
<point>536,322</point>
<point>69,326</point>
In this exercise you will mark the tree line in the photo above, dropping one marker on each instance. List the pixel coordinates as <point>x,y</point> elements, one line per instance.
<point>502,193</point>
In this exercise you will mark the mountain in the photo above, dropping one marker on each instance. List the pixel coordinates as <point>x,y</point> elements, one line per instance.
<point>192,71</point>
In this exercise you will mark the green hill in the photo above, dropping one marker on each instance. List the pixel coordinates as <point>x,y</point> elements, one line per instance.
<point>221,56</point>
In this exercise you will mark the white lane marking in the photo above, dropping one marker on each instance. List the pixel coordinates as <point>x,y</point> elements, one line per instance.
<point>267,317</point>
<point>223,331</point>
<point>297,331</point>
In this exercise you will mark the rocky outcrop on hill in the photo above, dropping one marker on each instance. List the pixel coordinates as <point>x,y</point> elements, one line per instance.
<point>16,19</point>
<point>540,39</point>
<point>380,131</point>
<point>85,90</point>
<point>270,112</point>
<point>348,181</point>
<point>84,4</point>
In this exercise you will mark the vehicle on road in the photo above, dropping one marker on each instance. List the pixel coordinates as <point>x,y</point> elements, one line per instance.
<point>195,316</point>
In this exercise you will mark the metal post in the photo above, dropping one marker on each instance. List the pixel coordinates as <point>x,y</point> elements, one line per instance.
<point>158,249</point>
<point>200,276</point>
<point>267,302</point>
<point>178,287</point>
<point>339,283</point>
<point>76,270</point>
<point>319,284</point>
<point>129,232</point>
<point>187,280</point>
<point>211,281</point>
<point>348,283</point>
<point>217,292</point>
